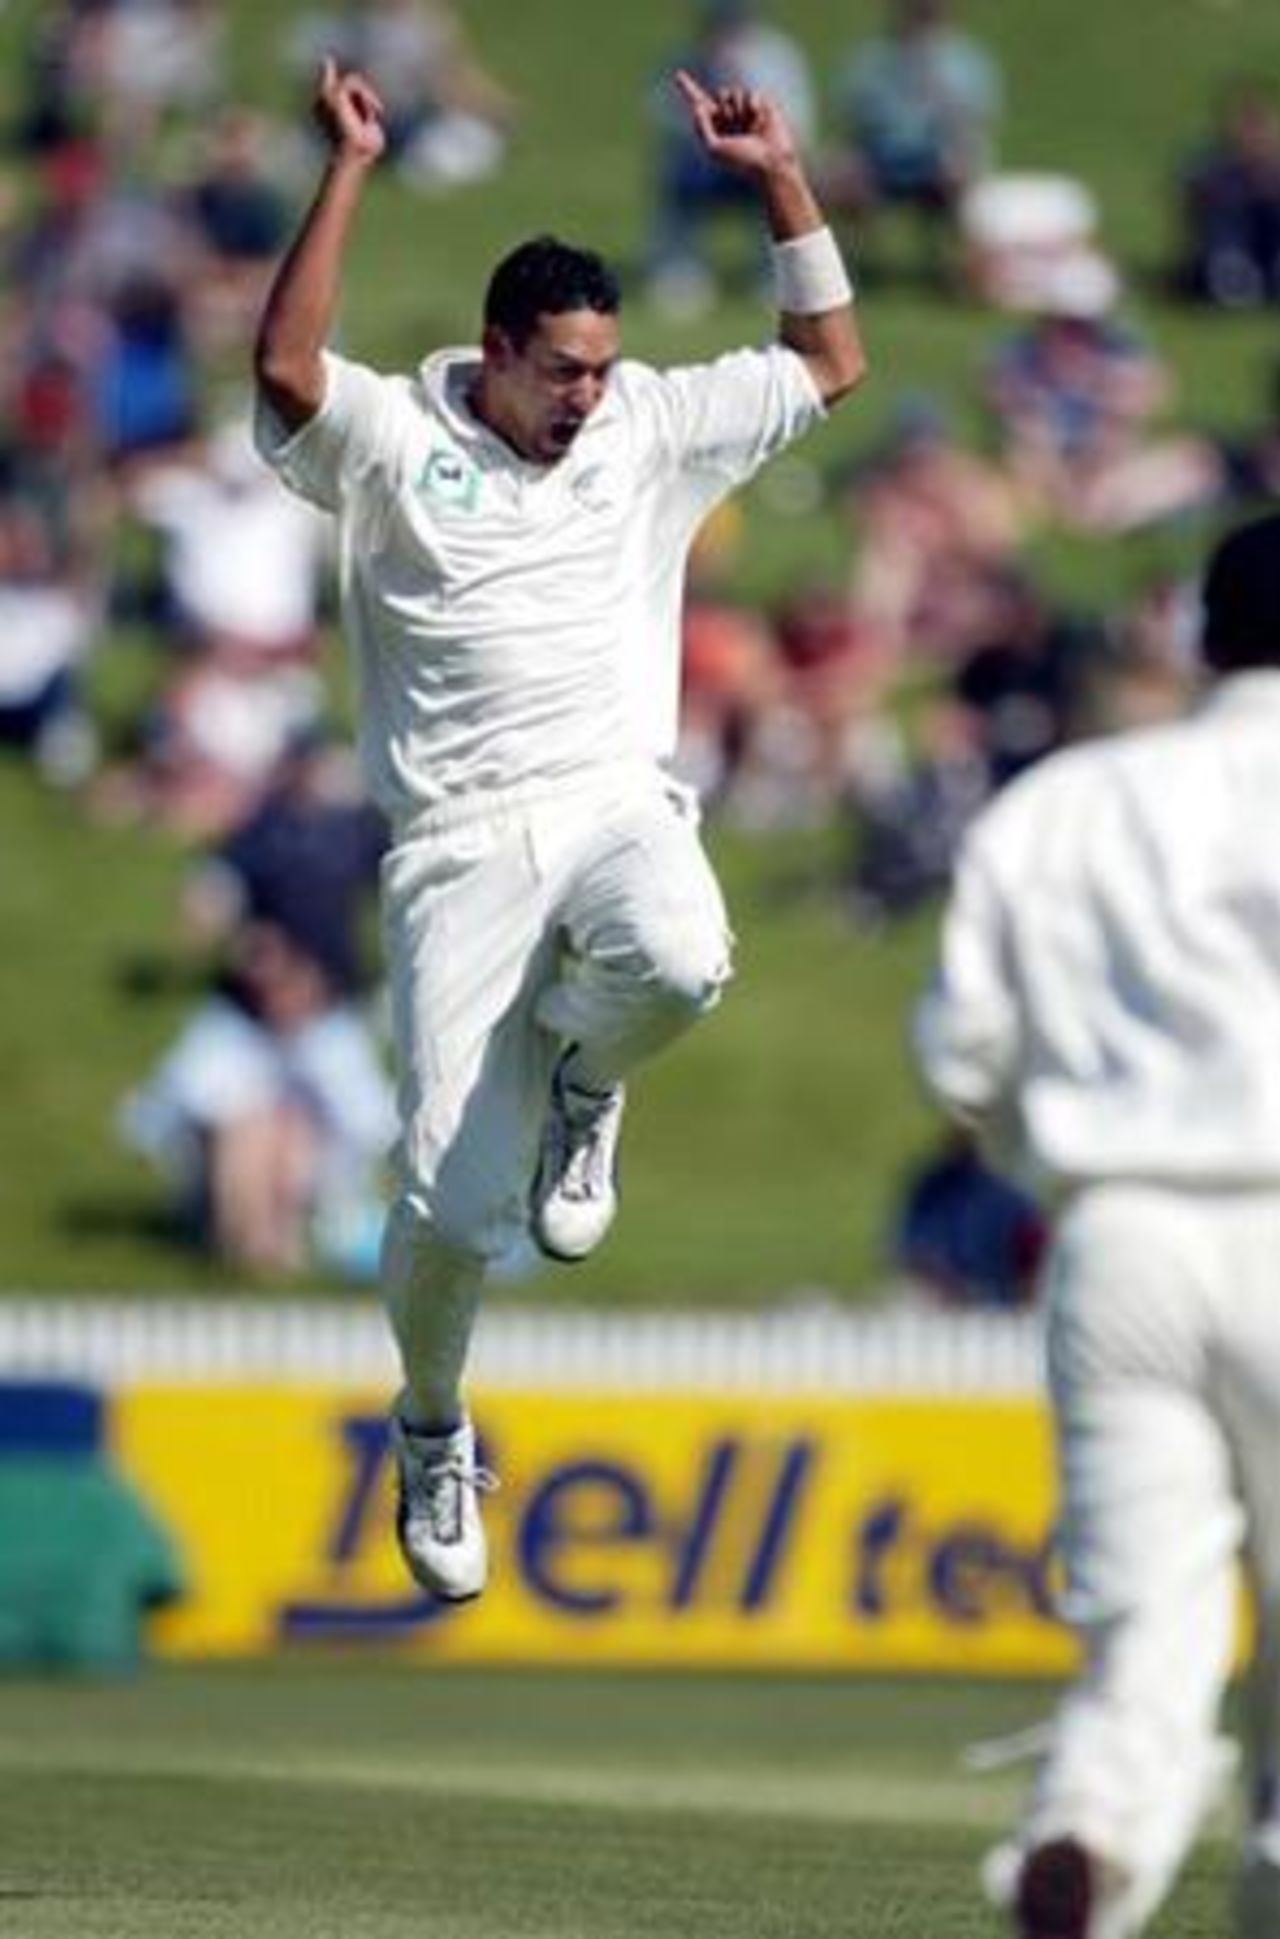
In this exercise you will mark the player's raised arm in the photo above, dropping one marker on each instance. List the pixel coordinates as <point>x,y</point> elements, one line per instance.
<point>746,131</point>
<point>300,306</point>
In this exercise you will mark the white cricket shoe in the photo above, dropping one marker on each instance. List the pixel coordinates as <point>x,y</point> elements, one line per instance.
<point>575,1192</point>
<point>438,1520</point>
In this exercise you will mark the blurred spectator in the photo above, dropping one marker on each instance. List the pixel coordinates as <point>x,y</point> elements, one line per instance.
<point>306,862</point>
<point>239,211</point>
<point>966,1235</point>
<point>92,235</point>
<point>447,119</point>
<point>145,383</point>
<point>47,625</point>
<point>908,817</point>
<point>51,422</point>
<point>834,680</point>
<point>271,1113</point>
<point>1151,672</point>
<point>241,561</point>
<point>116,69</point>
<point>1016,228</point>
<point>208,747</point>
<point>1251,462</point>
<point>774,706</point>
<point>1048,676</point>
<point>1031,685</point>
<point>61,91</point>
<point>729,678</point>
<point>101,364</point>
<point>1074,394</point>
<point>732,47</point>
<point>917,106</point>
<point>273,1101</point>
<point>240,577</point>
<point>936,526</point>
<point>158,58</point>
<point>728,689</point>
<point>1230,206</point>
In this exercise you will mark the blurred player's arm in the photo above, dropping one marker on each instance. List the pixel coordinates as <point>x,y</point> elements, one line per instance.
<point>299,311</point>
<point>746,131</point>
<point>967,1033</point>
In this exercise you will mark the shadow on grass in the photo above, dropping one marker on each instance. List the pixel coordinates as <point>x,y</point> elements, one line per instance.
<point>144,1242</point>
<point>141,1220</point>
<point>162,1249</point>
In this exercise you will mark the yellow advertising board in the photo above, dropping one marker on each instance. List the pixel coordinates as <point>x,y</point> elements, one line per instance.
<point>741,1530</point>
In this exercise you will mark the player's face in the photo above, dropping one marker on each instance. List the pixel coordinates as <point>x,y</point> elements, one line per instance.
<point>542,393</point>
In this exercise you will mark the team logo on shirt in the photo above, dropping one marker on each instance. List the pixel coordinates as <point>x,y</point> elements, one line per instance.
<point>593,489</point>
<point>449,478</point>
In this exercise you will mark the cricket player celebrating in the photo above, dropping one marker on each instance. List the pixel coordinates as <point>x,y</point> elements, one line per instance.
<point>1109,995</point>
<point>513,522</point>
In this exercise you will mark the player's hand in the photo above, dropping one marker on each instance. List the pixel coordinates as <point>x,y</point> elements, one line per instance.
<point>738,126</point>
<point>350,114</point>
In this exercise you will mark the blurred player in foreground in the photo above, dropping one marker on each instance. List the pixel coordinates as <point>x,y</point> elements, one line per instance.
<point>513,524</point>
<point>1109,993</point>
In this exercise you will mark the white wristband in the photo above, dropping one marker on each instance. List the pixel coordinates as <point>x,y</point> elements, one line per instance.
<point>809,274</point>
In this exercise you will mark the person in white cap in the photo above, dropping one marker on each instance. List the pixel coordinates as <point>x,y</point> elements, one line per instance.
<point>1107,1006</point>
<point>513,523</point>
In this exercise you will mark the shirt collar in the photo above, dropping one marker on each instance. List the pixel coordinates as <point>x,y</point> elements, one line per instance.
<point>447,378</point>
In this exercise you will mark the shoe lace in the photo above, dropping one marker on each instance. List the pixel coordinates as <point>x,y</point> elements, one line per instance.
<point>440,1496</point>
<point>586,1126</point>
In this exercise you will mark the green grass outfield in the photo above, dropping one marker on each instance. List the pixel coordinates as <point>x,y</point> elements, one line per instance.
<point>335,1800</point>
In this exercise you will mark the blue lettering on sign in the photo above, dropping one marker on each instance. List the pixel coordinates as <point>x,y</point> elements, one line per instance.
<point>618,1510</point>
<point>877,1539</point>
<point>779,1518</point>
<point>365,1437</point>
<point>968,1573</point>
<point>578,1523</point>
<point>694,1548</point>
<point>598,1505</point>
<point>576,1535</point>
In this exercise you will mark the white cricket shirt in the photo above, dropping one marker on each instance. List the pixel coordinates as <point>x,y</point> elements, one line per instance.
<point>517,625</point>
<point>1110,964</point>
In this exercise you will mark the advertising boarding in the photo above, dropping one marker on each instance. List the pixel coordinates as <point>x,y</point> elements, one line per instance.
<point>746,1529</point>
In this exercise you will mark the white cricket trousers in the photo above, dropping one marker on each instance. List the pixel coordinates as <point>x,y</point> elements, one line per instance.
<point>591,917</point>
<point>1164,1368</point>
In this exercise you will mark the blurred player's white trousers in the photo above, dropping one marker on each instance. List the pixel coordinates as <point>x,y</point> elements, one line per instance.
<point>590,917</point>
<point>1164,1365</point>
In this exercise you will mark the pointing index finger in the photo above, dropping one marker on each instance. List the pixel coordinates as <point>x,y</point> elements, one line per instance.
<point>692,92</point>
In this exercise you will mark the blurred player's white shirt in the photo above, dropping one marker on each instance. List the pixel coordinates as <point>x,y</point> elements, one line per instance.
<point>1110,964</point>
<point>516,626</point>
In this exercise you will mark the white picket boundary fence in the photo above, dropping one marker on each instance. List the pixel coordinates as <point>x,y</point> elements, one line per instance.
<point>805,1347</point>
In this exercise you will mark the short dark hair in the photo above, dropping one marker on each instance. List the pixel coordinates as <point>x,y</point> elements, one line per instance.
<point>547,277</point>
<point>1242,599</point>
